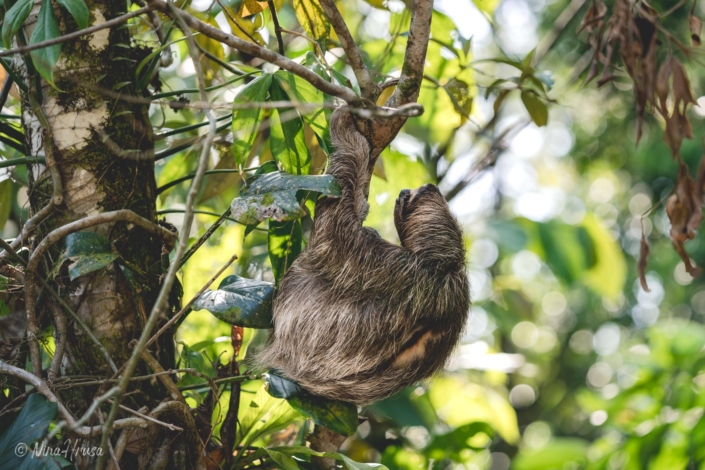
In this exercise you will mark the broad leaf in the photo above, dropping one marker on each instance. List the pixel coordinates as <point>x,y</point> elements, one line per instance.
<point>78,10</point>
<point>30,425</point>
<point>239,301</point>
<point>302,91</point>
<point>45,58</point>
<point>536,108</point>
<point>337,416</point>
<point>89,251</point>
<point>246,121</point>
<point>285,243</point>
<point>313,20</point>
<point>273,195</point>
<point>286,139</point>
<point>14,18</point>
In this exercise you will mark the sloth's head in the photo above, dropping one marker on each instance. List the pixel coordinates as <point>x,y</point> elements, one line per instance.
<point>425,224</point>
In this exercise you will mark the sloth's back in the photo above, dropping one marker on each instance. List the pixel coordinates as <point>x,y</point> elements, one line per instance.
<point>345,338</point>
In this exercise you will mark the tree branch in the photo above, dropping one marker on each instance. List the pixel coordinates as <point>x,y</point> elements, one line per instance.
<point>253,49</point>
<point>37,383</point>
<point>415,56</point>
<point>368,87</point>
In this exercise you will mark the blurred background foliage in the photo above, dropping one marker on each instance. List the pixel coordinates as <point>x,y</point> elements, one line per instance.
<point>566,363</point>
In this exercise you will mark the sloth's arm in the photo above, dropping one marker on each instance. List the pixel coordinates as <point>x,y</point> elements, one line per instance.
<point>350,164</point>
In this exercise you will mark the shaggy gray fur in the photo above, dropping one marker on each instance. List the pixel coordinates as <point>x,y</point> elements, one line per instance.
<point>357,318</point>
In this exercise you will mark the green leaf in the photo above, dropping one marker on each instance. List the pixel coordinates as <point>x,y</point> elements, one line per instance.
<point>14,18</point>
<point>239,301</point>
<point>536,108</point>
<point>286,139</point>
<point>462,99</point>
<point>286,462</point>
<point>78,10</point>
<point>285,242</point>
<point>89,251</point>
<point>302,91</point>
<point>246,122</point>
<point>273,195</point>
<point>45,58</point>
<point>557,454</point>
<point>30,425</point>
<point>337,416</point>
<point>5,201</point>
<point>264,415</point>
<point>313,20</point>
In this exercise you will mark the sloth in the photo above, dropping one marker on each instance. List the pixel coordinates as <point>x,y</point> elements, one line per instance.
<point>357,318</point>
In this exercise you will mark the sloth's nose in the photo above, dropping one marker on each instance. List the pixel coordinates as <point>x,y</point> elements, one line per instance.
<point>404,194</point>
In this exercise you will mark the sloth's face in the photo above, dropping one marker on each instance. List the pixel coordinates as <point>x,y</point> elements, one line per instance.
<point>410,200</point>
<point>425,203</point>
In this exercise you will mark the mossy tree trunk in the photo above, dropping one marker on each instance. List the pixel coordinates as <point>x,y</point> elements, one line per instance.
<point>95,128</point>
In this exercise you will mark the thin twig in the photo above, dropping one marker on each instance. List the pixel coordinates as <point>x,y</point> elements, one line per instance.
<point>163,378</point>
<point>367,86</point>
<point>76,34</point>
<point>277,27</point>
<point>187,307</point>
<point>169,426</point>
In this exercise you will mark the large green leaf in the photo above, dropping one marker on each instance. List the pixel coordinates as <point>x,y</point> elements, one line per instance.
<point>240,301</point>
<point>536,108</point>
<point>78,10</point>
<point>89,252</point>
<point>337,416</point>
<point>45,58</point>
<point>286,139</point>
<point>264,415</point>
<point>285,241</point>
<point>273,195</point>
<point>246,122</point>
<point>30,425</point>
<point>313,20</point>
<point>14,18</point>
<point>302,91</point>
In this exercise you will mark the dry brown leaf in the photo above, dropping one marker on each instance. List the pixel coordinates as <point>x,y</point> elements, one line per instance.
<point>685,213</point>
<point>643,262</point>
<point>672,80</point>
<point>251,7</point>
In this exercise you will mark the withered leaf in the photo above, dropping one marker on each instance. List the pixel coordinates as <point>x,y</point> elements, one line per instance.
<point>251,7</point>
<point>643,262</point>
<point>685,213</point>
<point>672,79</point>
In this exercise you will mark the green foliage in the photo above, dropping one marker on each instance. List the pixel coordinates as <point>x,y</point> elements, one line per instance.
<point>45,58</point>
<point>14,17</point>
<point>17,442</point>
<point>337,416</point>
<point>89,252</point>
<point>239,301</point>
<point>78,10</point>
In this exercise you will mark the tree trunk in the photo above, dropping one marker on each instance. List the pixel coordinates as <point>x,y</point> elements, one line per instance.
<point>99,148</point>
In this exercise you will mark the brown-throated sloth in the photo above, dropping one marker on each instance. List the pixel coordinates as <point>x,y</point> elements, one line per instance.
<point>357,318</point>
